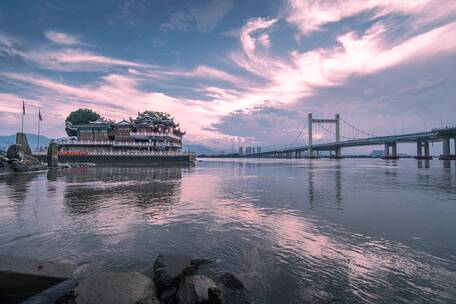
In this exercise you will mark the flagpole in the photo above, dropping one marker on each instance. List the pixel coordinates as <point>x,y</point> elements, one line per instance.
<point>39,121</point>
<point>23,113</point>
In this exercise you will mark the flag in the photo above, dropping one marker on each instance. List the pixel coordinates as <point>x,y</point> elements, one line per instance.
<point>23,107</point>
<point>39,115</point>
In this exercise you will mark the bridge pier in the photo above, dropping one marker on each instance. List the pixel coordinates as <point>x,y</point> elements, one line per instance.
<point>447,150</point>
<point>419,150</point>
<point>393,154</point>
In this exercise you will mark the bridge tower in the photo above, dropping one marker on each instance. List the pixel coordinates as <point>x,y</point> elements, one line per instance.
<point>335,121</point>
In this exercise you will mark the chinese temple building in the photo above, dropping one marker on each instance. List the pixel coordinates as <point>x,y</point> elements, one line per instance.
<point>150,131</point>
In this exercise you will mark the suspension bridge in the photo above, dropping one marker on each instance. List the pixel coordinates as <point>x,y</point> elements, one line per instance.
<point>346,135</point>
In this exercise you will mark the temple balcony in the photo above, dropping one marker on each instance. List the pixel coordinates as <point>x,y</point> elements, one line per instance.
<point>153,134</point>
<point>117,143</point>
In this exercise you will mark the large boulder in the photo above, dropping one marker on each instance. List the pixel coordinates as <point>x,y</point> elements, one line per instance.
<point>116,287</point>
<point>21,161</point>
<point>170,269</point>
<point>194,289</point>
<point>5,165</point>
<point>15,151</point>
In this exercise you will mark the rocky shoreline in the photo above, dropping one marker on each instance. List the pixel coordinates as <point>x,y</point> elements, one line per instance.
<point>176,279</point>
<point>19,159</point>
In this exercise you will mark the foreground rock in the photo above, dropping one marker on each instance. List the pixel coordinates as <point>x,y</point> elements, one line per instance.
<point>21,277</point>
<point>113,287</point>
<point>195,289</point>
<point>170,269</point>
<point>230,281</point>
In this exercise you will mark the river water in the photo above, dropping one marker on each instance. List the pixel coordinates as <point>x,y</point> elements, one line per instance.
<point>365,231</point>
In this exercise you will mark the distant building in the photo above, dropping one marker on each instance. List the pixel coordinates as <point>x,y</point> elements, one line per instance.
<point>241,150</point>
<point>247,150</point>
<point>377,153</point>
<point>258,150</point>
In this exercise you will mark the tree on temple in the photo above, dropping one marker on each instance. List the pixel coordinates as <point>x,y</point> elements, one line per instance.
<point>81,116</point>
<point>154,115</point>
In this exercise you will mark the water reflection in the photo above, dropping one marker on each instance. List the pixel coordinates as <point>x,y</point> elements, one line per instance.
<point>336,171</point>
<point>423,163</point>
<point>288,229</point>
<point>141,187</point>
<point>17,185</point>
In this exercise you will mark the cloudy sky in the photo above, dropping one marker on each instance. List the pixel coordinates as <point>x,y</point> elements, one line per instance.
<point>231,71</point>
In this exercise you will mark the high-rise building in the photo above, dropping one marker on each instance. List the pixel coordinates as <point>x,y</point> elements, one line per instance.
<point>258,149</point>
<point>241,150</point>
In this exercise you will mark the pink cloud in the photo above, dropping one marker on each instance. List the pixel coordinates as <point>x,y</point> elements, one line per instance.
<point>201,71</point>
<point>310,16</point>
<point>62,38</point>
<point>75,59</point>
<point>67,59</point>
<point>118,96</point>
<point>300,75</point>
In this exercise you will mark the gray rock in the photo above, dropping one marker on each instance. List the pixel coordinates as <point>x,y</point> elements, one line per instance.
<point>15,151</point>
<point>200,262</point>
<point>230,281</point>
<point>170,269</point>
<point>27,165</point>
<point>68,298</point>
<point>116,287</point>
<point>20,161</point>
<point>194,289</point>
<point>168,296</point>
<point>215,295</point>
<point>5,165</point>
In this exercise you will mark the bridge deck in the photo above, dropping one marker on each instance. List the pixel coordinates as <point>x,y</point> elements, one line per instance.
<point>431,136</point>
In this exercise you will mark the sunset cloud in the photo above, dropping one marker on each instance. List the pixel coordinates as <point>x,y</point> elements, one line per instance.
<point>310,16</point>
<point>62,38</point>
<point>214,72</point>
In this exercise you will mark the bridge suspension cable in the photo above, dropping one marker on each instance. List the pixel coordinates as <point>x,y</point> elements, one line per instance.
<point>333,133</point>
<point>299,134</point>
<point>357,129</point>
<point>282,146</point>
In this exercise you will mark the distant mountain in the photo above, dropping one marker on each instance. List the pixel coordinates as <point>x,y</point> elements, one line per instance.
<point>198,149</point>
<point>8,140</point>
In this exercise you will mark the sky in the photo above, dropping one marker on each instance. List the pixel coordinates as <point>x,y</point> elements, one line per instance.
<point>231,72</point>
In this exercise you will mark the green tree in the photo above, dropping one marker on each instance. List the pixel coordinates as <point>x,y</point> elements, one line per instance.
<point>155,115</point>
<point>81,116</point>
